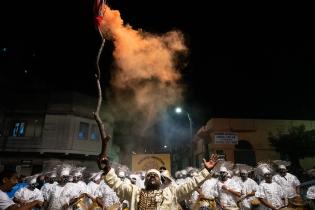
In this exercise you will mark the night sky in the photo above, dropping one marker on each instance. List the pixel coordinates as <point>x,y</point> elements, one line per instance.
<point>244,60</point>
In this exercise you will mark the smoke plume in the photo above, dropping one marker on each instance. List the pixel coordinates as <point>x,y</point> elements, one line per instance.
<point>145,78</point>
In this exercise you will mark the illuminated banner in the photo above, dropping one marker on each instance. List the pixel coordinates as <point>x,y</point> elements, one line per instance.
<point>225,138</point>
<point>143,162</point>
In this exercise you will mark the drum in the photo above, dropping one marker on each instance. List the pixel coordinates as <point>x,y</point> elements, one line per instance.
<point>205,202</point>
<point>95,206</point>
<point>114,207</point>
<point>297,203</point>
<point>85,203</point>
<point>255,202</point>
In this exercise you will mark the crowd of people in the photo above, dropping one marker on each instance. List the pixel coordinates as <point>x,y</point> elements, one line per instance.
<point>218,185</point>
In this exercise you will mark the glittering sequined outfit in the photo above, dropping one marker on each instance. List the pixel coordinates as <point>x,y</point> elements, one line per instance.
<point>149,200</point>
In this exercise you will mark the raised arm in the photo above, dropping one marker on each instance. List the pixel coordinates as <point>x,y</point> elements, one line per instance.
<point>122,189</point>
<point>182,191</point>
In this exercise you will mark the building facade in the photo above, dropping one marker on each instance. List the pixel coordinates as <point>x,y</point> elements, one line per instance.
<point>43,129</point>
<point>244,140</point>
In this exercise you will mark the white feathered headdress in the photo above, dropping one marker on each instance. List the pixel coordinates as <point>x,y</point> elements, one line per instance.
<point>192,171</point>
<point>263,168</point>
<point>32,179</point>
<point>77,171</point>
<point>281,164</point>
<point>123,171</point>
<point>51,167</point>
<point>310,194</point>
<point>64,169</point>
<point>95,175</point>
<point>243,168</point>
<point>52,173</point>
<point>223,166</point>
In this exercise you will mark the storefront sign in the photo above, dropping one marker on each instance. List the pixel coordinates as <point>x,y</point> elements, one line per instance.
<point>225,138</point>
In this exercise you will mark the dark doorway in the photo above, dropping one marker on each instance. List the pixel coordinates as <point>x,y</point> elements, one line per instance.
<point>244,153</point>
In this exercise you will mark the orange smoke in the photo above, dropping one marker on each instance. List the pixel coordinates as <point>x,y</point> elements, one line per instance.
<point>146,64</point>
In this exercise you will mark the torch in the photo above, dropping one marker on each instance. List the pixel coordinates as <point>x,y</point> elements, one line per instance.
<point>98,14</point>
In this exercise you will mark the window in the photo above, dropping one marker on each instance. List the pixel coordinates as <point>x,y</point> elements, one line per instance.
<point>18,129</point>
<point>83,131</point>
<point>95,133</point>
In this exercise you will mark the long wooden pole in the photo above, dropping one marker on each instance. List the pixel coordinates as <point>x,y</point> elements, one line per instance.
<point>104,137</point>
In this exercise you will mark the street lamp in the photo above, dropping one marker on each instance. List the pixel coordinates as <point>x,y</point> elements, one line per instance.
<point>179,110</point>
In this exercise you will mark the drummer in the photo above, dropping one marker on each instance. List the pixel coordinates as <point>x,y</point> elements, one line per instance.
<point>289,183</point>
<point>56,199</point>
<point>249,188</point>
<point>269,193</point>
<point>206,195</point>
